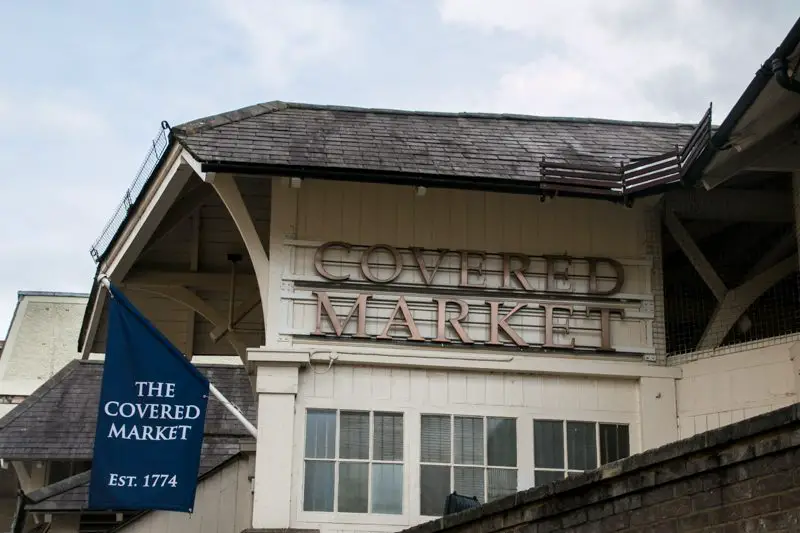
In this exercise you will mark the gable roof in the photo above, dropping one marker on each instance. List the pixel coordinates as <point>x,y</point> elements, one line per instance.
<point>287,138</point>
<point>58,420</point>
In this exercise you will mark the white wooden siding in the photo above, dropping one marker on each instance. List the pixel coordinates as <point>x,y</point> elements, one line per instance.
<point>223,504</point>
<point>417,392</point>
<point>366,214</point>
<point>720,390</point>
<point>370,213</point>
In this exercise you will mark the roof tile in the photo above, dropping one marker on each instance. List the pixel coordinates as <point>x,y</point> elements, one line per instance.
<point>485,146</point>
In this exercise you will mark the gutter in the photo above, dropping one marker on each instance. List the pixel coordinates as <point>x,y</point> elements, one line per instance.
<point>516,186</point>
<point>775,67</point>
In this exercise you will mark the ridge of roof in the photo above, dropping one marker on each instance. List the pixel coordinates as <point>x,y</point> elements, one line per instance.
<point>39,393</point>
<point>228,117</point>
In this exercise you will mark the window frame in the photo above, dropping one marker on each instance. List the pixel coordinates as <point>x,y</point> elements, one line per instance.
<point>566,470</point>
<point>337,516</point>
<point>452,465</point>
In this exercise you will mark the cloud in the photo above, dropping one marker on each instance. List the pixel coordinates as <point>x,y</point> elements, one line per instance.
<point>278,40</point>
<point>48,117</point>
<point>625,59</point>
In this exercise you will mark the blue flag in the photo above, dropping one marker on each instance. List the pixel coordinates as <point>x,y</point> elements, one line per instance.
<point>150,419</point>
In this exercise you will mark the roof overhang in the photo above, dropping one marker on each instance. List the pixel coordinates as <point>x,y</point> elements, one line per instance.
<point>760,124</point>
<point>163,187</point>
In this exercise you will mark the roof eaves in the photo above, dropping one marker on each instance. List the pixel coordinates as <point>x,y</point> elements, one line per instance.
<point>763,75</point>
<point>39,393</point>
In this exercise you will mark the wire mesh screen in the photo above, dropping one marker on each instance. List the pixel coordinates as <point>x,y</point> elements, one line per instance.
<point>154,153</point>
<point>758,297</point>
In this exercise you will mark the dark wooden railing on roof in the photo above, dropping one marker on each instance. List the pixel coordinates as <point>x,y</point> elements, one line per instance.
<point>638,177</point>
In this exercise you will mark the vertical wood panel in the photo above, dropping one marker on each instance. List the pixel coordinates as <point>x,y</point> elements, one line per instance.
<point>220,504</point>
<point>373,213</point>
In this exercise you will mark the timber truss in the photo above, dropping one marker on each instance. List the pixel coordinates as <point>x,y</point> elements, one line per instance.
<point>742,244</point>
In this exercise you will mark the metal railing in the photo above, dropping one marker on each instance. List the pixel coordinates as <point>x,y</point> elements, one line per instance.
<point>631,178</point>
<point>157,149</point>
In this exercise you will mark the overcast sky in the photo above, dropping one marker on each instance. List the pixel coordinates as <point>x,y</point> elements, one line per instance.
<point>85,84</point>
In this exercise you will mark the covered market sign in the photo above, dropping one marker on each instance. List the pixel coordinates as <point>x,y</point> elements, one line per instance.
<point>468,297</point>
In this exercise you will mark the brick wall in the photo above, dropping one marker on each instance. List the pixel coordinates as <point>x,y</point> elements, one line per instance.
<point>740,478</point>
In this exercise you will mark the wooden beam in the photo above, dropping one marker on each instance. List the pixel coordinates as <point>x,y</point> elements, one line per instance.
<point>194,262</point>
<point>751,156</point>
<point>199,280</point>
<point>180,211</point>
<point>785,245</point>
<point>694,255</point>
<point>731,205</point>
<point>231,196</point>
<point>738,300</point>
<point>184,296</point>
<point>241,311</point>
<point>23,476</point>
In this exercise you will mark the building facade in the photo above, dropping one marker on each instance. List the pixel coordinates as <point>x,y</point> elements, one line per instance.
<point>426,303</point>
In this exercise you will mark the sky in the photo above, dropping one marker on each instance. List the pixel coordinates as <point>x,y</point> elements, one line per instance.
<point>84,84</point>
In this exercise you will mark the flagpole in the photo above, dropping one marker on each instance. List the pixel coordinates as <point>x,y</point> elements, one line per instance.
<point>233,410</point>
<point>104,281</point>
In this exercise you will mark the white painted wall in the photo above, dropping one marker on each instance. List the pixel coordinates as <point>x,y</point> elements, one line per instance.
<point>414,392</point>
<point>717,390</point>
<point>42,338</point>
<point>223,504</point>
<point>434,379</point>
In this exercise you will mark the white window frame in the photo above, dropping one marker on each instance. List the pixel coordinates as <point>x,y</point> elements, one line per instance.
<point>452,464</point>
<point>564,421</point>
<point>337,516</point>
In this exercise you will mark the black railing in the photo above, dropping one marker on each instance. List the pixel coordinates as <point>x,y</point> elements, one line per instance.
<point>154,154</point>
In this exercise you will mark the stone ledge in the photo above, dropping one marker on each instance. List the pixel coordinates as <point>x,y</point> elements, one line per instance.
<point>682,459</point>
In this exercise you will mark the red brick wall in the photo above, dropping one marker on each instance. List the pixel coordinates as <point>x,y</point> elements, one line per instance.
<point>740,478</point>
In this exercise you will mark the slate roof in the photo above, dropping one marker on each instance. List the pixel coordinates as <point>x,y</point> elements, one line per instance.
<point>58,420</point>
<point>493,147</point>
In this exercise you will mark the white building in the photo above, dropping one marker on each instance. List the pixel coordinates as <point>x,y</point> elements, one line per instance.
<point>41,339</point>
<point>430,302</point>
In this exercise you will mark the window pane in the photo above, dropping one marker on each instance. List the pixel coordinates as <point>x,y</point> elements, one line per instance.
<point>501,441</point>
<point>354,435</point>
<point>353,487</point>
<point>548,443</point>
<point>318,487</point>
<point>502,482</point>
<point>387,489</point>
<point>434,489</point>
<point>436,442</point>
<point>468,440</point>
<point>614,442</point>
<point>387,443</point>
<point>581,446</point>
<point>468,481</point>
<point>543,477</point>
<point>320,434</point>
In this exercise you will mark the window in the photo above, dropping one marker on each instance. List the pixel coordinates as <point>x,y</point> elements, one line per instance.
<point>474,456</point>
<point>353,462</point>
<point>562,447</point>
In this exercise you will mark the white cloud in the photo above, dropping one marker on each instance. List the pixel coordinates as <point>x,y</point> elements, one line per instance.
<point>623,59</point>
<point>281,39</point>
<point>49,118</point>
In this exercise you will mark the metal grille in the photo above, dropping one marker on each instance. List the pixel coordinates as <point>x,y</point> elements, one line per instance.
<point>637,177</point>
<point>697,321</point>
<point>157,149</point>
